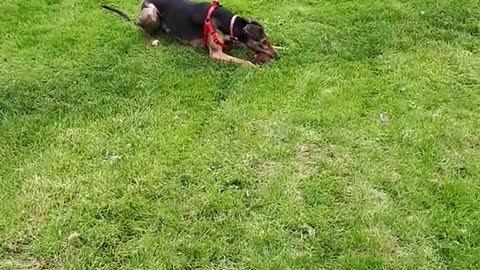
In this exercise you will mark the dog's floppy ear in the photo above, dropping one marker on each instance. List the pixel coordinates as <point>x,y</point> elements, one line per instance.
<point>254,30</point>
<point>256,23</point>
<point>248,29</point>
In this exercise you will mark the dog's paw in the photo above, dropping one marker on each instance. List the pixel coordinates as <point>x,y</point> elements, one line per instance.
<point>155,42</point>
<point>249,64</point>
<point>254,65</point>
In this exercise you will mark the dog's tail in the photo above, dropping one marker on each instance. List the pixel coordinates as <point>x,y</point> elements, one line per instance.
<point>123,15</point>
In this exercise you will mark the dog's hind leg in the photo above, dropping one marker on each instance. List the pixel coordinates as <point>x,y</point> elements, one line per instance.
<point>150,21</point>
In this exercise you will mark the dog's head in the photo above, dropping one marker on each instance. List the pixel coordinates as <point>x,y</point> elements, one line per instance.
<point>257,40</point>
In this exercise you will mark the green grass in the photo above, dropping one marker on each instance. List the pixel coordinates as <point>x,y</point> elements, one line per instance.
<point>359,149</point>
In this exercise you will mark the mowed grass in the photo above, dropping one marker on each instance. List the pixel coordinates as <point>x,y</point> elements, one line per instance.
<point>359,149</point>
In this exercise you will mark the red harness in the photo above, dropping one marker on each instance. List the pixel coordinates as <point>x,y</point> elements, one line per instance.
<point>209,30</point>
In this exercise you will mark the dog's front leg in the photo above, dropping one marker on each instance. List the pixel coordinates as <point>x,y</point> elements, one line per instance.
<point>216,52</point>
<point>221,56</point>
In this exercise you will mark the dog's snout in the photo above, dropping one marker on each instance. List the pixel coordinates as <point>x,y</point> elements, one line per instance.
<point>274,53</point>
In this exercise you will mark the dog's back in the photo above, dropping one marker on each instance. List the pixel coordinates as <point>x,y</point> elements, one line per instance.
<point>182,17</point>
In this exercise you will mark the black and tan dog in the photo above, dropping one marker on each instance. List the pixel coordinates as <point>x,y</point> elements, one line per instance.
<point>206,25</point>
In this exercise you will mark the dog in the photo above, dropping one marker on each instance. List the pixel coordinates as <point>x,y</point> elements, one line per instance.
<point>203,25</point>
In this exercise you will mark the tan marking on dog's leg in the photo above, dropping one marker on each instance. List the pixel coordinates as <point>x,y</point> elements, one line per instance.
<point>149,14</point>
<point>221,56</point>
<point>216,52</point>
<point>150,22</point>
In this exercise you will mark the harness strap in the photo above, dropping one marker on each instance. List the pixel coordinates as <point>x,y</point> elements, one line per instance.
<point>208,29</point>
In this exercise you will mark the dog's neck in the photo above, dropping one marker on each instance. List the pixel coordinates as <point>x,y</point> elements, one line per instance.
<point>238,32</point>
<point>223,19</point>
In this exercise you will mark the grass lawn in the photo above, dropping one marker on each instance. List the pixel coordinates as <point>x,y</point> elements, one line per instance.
<point>359,149</point>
